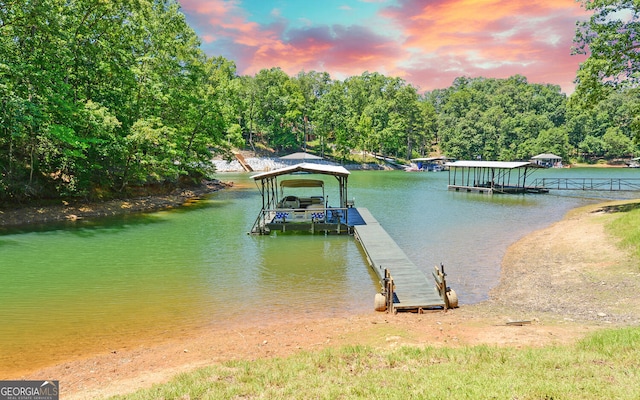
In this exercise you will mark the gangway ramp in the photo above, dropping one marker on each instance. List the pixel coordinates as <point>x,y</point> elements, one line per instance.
<point>413,291</point>
<point>245,165</point>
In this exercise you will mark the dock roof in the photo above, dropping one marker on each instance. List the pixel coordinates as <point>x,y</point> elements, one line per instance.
<point>442,158</point>
<point>493,164</point>
<point>335,170</point>
<point>546,156</point>
<point>301,156</point>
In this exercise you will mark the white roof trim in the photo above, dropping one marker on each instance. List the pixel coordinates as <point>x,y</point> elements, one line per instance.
<point>547,156</point>
<point>493,164</point>
<point>311,168</point>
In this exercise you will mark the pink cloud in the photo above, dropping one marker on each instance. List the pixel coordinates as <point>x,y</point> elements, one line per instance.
<point>489,38</point>
<point>429,43</point>
<point>339,50</point>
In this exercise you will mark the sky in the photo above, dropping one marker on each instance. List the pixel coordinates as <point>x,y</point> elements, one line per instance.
<point>428,43</point>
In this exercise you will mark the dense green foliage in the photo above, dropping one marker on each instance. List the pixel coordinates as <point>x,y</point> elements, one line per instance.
<point>98,97</point>
<point>104,94</point>
<point>501,119</point>
<point>603,365</point>
<point>610,38</point>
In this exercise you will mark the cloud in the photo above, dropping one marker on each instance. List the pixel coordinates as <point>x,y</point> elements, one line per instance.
<point>450,38</point>
<point>428,43</point>
<point>338,49</point>
<point>341,50</point>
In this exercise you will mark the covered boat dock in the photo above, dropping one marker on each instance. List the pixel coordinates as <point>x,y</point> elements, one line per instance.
<point>432,164</point>
<point>311,214</point>
<point>492,176</point>
<point>548,160</point>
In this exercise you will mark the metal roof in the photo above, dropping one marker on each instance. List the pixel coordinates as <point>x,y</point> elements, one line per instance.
<point>311,168</point>
<point>301,156</point>
<point>546,156</point>
<point>430,158</point>
<point>493,164</point>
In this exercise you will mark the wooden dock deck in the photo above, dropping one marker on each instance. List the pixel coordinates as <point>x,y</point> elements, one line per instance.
<point>413,291</point>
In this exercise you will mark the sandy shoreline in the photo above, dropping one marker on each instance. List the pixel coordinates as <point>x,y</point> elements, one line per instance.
<point>567,280</point>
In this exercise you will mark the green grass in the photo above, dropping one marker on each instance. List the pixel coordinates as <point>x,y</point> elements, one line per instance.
<point>626,226</point>
<point>603,365</point>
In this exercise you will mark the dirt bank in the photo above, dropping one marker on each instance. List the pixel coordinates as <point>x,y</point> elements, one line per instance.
<point>562,281</point>
<point>72,210</point>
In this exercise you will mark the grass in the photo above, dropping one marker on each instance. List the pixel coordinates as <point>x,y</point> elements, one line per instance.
<point>626,226</point>
<point>603,365</point>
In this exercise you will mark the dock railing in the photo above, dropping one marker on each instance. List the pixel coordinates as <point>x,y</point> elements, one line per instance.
<point>602,184</point>
<point>329,215</point>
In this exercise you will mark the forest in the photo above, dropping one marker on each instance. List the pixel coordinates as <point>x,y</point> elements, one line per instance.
<point>101,96</point>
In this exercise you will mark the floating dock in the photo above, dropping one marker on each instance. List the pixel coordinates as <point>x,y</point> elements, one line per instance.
<point>492,177</point>
<point>411,290</point>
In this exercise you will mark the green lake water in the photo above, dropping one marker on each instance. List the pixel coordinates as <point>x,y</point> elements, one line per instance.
<point>92,286</point>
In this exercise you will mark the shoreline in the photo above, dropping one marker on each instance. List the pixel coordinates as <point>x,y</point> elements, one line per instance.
<point>562,306</point>
<point>65,211</point>
<point>73,210</point>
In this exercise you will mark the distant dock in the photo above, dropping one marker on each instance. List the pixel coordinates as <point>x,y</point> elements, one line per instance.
<point>492,177</point>
<point>411,290</point>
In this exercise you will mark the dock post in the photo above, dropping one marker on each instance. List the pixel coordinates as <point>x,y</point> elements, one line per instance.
<point>388,290</point>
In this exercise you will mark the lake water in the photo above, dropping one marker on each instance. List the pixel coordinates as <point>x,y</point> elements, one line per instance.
<point>92,286</point>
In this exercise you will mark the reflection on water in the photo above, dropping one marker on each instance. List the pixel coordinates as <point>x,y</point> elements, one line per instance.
<point>93,286</point>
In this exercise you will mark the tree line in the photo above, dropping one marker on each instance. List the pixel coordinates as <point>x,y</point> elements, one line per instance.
<point>101,96</point>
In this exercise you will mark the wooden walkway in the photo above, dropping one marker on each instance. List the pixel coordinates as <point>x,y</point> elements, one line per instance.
<point>413,291</point>
<point>602,184</point>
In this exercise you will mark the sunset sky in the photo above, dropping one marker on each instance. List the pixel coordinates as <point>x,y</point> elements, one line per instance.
<point>426,42</point>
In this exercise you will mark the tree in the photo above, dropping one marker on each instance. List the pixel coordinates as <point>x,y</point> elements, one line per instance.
<point>497,119</point>
<point>616,144</point>
<point>611,39</point>
<point>331,119</point>
<point>592,146</point>
<point>313,85</point>
<point>554,140</point>
<point>103,94</point>
<point>280,105</point>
